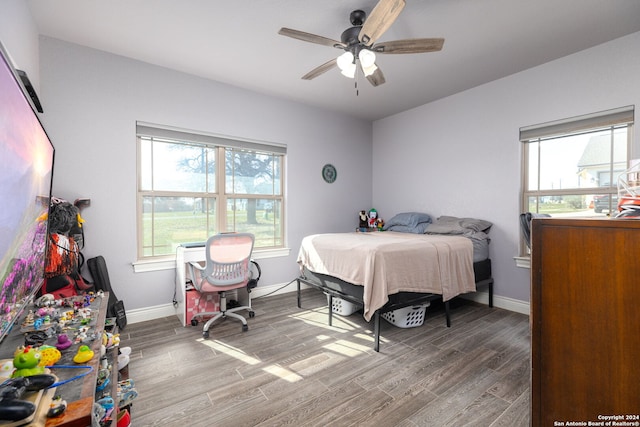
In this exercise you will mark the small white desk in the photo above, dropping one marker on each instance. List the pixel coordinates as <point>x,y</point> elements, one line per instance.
<point>185,255</point>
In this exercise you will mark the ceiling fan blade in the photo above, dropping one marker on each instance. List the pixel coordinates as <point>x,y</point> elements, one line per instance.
<point>377,78</point>
<point>379,20</point>
<point>311,38</point>
<point>409,46</point>
<point>321,69</point>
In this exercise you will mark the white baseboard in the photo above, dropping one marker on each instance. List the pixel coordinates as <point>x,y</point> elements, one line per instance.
<point>501,302</point>
<point>159,311</point>
<point>150,313</point>
<point>164,310</point>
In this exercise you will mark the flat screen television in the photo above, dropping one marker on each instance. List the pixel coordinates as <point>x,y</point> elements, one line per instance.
<point>26,173</point>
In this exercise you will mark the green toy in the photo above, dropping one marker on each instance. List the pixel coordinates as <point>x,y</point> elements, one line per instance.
<point>26,362</point>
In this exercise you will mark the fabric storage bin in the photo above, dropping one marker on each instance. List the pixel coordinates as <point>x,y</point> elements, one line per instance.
<point>198,303</point>
<point>342,307</point>
<point>407,317</point>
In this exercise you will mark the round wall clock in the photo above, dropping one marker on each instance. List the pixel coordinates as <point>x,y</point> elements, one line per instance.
<point>329,173</point>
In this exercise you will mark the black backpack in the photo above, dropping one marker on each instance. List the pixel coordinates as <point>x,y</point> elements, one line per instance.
<point>115,307</point>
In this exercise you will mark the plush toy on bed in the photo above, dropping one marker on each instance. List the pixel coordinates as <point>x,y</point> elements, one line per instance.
<point>364,220</point>
<point>373,218</point>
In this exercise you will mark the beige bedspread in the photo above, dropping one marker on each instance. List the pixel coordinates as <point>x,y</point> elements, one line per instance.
<point>388,262</point>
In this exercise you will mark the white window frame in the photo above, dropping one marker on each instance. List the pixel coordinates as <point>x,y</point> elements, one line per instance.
<point>220,144</point>
<point>605,120</point>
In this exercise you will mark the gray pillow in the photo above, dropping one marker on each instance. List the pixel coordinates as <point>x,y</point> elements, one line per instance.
<point>418,229</point>
<point>454,225</point>
<point>407,219</point>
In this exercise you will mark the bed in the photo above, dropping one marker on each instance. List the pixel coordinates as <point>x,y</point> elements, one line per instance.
<point>385,271</point>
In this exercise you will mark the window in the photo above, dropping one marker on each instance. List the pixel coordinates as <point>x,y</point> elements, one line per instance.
<point>192,186</point>
<point>571,167</point>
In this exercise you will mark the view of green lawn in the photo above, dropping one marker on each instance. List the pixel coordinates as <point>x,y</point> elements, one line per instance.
<point>172,228</point>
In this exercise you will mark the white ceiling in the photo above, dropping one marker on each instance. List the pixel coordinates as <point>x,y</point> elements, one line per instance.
<point>237,42</point>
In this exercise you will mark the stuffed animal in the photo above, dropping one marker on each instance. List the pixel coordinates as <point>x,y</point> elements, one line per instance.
<point>364,220</point>
<point>62,254</point>
<point>373,216</point>
<point>63,217</point>
<point>66,239</point>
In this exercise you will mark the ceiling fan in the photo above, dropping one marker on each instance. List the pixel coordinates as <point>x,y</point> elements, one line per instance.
<point>358,42</point>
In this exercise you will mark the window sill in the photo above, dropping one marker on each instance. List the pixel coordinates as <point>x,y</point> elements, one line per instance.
<point>170,262</point>
<point>523,261</point>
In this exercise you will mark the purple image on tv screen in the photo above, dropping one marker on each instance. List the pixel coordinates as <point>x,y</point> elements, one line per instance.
<point>26,173</point>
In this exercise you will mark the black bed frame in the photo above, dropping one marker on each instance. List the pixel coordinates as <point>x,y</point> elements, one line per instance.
<point>335,287</point>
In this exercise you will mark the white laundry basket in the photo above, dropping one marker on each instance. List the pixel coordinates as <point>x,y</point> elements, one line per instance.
<point>342,307</point>
<point>407,317</point>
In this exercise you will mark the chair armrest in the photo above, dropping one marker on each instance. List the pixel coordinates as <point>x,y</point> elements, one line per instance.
<point>196,271</point>
<point>196,265</point>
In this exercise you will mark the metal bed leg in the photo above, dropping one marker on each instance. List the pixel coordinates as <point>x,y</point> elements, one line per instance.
<point>376,331</point>
<point>299,303</point>
<point>447,313</point>
<point>330,309</point>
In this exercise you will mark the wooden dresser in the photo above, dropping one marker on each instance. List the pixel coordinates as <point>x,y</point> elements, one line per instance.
<point>585,321</point>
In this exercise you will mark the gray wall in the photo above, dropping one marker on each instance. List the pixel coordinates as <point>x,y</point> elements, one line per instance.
<point>457,156</point>
<point>92,101</point>
<point>461,156</point>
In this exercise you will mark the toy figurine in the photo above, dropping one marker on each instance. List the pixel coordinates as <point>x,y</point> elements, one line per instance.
<point>63,342</point>
<point>83,355</point>
<point>49,355</point>
<point>110,340</point>
<point>26,360</point>
<point>380,224</point>
<point>364,220</point>
<point>57,407</point>
<point>373,215</point>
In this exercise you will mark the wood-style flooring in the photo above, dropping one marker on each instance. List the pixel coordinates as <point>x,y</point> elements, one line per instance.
<point>291,368</point>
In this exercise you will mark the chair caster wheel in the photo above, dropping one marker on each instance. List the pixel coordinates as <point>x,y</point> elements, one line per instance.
<point>245,328</point>
<point>252,314</point>
<point>205,334</point>
<point>194,322</point>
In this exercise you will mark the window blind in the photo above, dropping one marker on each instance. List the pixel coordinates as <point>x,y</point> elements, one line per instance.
<point>163,132</point>
<point>615,117</point>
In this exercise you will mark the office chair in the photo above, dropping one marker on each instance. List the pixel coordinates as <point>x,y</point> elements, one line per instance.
<point>227,267</point>
<point>525,225</point>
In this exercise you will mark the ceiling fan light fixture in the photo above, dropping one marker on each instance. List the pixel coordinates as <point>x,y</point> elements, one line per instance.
<point>345,60</point>
<point>367,58</point>
<point>349,71</point>
<point>347,64</point>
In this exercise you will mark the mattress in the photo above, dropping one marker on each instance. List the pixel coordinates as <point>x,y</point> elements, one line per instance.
<point>480,249</point>
<point>388,263</point>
